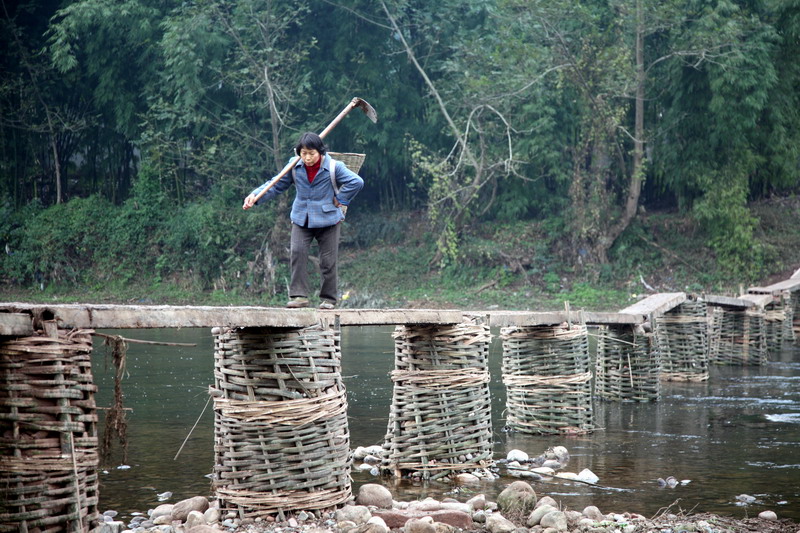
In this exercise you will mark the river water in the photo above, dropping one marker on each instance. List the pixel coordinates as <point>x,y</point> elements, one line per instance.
<point>738,433</point>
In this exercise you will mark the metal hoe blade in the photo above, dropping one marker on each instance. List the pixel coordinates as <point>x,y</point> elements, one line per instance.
<point>366,108</point>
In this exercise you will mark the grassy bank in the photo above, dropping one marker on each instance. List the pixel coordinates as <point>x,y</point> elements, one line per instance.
<point>385,262</point>
<point>529,265</point>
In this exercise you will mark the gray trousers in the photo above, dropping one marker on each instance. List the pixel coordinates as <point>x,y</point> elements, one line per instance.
<point>328,240</point>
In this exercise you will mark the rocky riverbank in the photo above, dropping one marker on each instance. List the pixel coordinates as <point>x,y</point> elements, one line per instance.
<point>518,509</point>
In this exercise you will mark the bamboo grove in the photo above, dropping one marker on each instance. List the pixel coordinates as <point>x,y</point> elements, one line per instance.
<point>130,111</point>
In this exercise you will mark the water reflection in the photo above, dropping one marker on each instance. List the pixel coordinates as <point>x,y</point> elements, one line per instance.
<point>736,434</point>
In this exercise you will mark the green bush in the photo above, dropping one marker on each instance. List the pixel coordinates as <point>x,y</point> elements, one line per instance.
<point>212,242</point>
<point>146,240</point>
<point>59,244</point>
<point>730,225</point>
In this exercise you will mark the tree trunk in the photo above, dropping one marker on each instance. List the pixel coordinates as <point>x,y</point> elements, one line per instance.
<point>598,234</point>
<point>635,188</point>
<point>278,233</point>
<point>50,126</point>
<point>56,163</point>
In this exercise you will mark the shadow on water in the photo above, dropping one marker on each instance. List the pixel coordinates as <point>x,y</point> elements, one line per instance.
<point>736,434</point>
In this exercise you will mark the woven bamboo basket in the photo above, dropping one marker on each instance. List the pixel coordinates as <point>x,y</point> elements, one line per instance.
<point>737,336</point>
<point>48,434</point>
<point>281,438</point>
<point>778,321</point>
<point>440,416</point>
<point>682,338</point>
<point>796,317</point>
<point>547,375</point>
<point>628,365</point>
<point>351,160</point>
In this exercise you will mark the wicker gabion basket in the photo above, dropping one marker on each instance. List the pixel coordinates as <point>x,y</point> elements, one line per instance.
<point>796,317</point>
<point>281,439</point>
<point>682,338</point>
<point>737,336</point>
<point>48,434</point>
<point>628,365</point>
<point>440,416</point>
<point>547,375</point>
<point>778,321</point>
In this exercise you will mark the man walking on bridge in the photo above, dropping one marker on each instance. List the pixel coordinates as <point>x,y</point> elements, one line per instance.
<point>317,211</point>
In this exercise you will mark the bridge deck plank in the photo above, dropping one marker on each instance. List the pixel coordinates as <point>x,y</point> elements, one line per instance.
<point>759,300</point>
<point>539,318</point>
<point>785,285</point>
<point>16,324</point>
<point>656,304</point>
<point>746,300</point>
<point>100,316</point>
<point>388,317</point>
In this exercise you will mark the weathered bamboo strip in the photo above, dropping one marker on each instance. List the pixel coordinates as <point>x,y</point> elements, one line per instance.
<point>737,336</point>
<point>682,340</point>
<point>628,365</point>
<point>280,418</point>
<point>48,433</point>
<point>546,371</point>
<point>440,417</point>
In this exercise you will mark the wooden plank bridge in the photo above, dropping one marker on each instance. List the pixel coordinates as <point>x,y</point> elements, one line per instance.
<point>18,319</point>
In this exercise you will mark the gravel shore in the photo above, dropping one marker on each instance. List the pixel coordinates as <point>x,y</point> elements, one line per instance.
<point>517,510</point>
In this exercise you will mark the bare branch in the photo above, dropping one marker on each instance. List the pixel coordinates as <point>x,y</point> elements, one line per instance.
<point>533,82</point>
<point>701,55</point>
<point>358,14</point>
<point>431,86</point>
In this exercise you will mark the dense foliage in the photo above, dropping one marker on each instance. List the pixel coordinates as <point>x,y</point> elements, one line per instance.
<point>130,130</point>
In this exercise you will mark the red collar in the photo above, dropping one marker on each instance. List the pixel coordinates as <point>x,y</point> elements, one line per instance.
<point>311,171</point>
